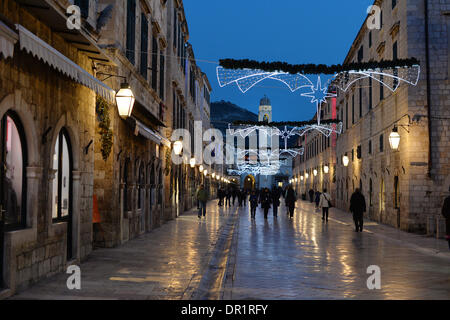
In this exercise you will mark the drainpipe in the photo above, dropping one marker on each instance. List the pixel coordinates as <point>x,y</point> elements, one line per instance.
<point>427,60</point>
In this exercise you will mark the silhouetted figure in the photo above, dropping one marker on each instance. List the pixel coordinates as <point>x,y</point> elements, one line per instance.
<point>358,207</point>
<point>228,197</point>
<point>253,203</point>
<point>202,197</point>
<point>266,200</point>
<point>311,195</point>
<point>317,198</point>
<point>275,200</point>
<point>291,198</point>
<point>234,194</point>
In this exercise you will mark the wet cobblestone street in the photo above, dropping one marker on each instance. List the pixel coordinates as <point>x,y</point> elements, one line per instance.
<point>229,256</point>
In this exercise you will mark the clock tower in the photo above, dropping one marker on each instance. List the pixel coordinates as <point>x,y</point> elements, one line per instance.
<point>265,110</point>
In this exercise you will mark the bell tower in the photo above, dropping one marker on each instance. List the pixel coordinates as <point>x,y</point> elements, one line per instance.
<point>265,110</point>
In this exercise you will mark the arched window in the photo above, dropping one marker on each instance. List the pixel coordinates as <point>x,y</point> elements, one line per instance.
<point>13,177</point>
<point>62,183</point>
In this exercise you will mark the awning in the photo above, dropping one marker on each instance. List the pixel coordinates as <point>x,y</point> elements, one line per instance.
<point>42,50</point>
<point>8,39</point>
<point>146,132</point>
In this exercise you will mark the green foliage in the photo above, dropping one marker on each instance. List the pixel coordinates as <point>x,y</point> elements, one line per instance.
<point>106,134</point>
<point>168,167</point>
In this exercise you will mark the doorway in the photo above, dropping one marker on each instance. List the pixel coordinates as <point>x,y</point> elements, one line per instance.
<point>249,182</point>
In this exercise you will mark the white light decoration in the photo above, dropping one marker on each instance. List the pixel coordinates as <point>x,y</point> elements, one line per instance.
<point>345,161</point>
<point>178,147</point>
<point>319,95</point>
<point>192,163</point>
<point>125,100</point>
<point>394,139</point>
<point>326,169</point>
<point>315,172</point>
<point>201,168</point>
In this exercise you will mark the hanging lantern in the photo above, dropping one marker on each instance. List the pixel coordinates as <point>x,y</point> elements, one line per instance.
<point>205,172</point>
<point>307,175</point>
<point>345,161</point>
<point>394,139</point>
<point>213,175</point>
<point>125,100</point>
<point>200,168</point>
<point>178,147</point>
<point>326,169</point>
<point>296,180</point>
<point>301,178</point>
<point>315,172</point>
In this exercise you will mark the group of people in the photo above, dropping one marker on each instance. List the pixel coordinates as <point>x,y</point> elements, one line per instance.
<point>227,197</point>
<point>271,198</point>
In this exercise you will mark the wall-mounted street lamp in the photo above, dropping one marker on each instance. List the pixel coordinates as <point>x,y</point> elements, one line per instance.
<point>296,180</point>
<point>307,175</point>
<point>192,163</point>
<point>345,161</point>
<point>315,172</point>
<point>301,178</point>
<point>213,175</point>
<point>178,147</point>
<point>394,139</point>
<point>326,169</point>
<point>201,168</point>
<point>125,100</point>
<point>205,172</point>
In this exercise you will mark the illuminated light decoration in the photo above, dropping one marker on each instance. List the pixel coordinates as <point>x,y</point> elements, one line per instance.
<point>315,172</point>
<point>326,169</point>
<point>390,78</point>
<point>125,100</point>
<point>345,161</point>
<point>394,139</point>
<point>246,79</point>
<point>257,168</point>
<point>319,95</point>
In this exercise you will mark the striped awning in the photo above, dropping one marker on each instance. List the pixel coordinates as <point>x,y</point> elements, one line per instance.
<point>8,39</point>
<point>32,44</point>
<point>148,133</point>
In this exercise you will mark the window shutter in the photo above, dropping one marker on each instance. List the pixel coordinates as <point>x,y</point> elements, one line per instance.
<point>144,45</point>
<point>131,30</point>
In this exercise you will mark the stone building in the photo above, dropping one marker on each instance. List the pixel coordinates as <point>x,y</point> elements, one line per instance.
<point>47,103</point>
<point>404,188</point>
<point>76,173</point>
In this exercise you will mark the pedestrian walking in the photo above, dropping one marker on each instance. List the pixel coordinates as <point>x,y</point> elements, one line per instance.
<point>358,207</point>
<point>202,197</point>
<point>240,197</point>
<point>317,198</point>
<point>253,203</point>
<point>234,194</point>
<point>266,200</point>
<point>325,204</point>
<point>228,197</point>
<point>220,194</point>
<point>311,195</point>
<point>275,201</point>
<point>446,214</point>
<point>291,198</point>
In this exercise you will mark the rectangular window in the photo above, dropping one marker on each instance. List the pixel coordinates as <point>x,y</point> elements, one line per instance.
<point>175,28</point>
<point>360,103</point>
<point>154,63</point>
<point>370,39</point>
<point>84,7</point>
<point>131,30</point>
<point>370,146</point>
<point>353,109</point>
<point>346,115</point>
<point>394,3</point>
<point>358,152</point>
<point>381,143</point>
<point>370,93</point>
<point>174,110</point>
<point>161,75</point>
<point>395,57</point>
<point>144,46</point>
<point>381,88</point>
<point>361,54</point>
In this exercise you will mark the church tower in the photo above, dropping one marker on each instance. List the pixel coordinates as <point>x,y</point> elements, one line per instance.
<point>265,110</point>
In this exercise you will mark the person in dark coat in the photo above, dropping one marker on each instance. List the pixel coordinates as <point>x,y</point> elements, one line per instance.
<point>220,195</point>
<point>291,198</point>
<point>311,195</point>
<point>234,195</point>
<point>253,203</point>
<point>446,214</point>
<point>227,197</point>
<point>275,200</point>
<point>265,200</point>
<point>240,197</point>
<point>358,207</point>
<point>317,198</point>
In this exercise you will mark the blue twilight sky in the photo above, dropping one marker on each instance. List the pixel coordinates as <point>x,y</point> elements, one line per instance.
<point>294,31</point>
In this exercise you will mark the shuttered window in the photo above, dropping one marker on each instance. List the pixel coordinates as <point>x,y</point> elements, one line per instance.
<point>84,7</point>
<point>144,45</point>
<point>161,75</point>
<point>131,30</point>
<point>154,63</point>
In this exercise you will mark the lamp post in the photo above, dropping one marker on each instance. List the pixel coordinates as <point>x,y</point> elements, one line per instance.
<point>178,147</point>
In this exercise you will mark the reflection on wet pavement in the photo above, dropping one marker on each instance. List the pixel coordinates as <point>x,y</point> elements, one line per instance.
<point>306,258</point>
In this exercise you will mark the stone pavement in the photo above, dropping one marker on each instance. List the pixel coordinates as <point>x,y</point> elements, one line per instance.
<point>306,258</point>
<point>229,256</point>
<point>168,263</point>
